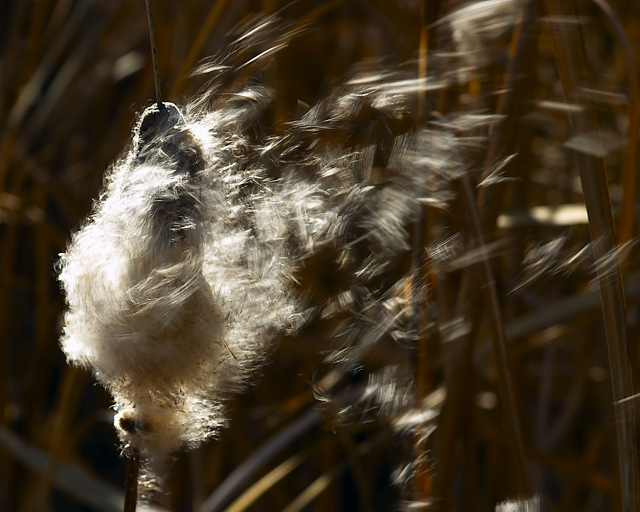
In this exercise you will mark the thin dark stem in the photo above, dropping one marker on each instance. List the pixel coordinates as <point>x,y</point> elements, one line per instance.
<point>154,58</point>
<point>131,482</point>
<point>422,274</point>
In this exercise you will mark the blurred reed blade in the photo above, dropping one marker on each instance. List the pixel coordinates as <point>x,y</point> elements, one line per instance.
<point>253,493</point>
<point>29,92</point>
<point>571,62</point>
<point>421,271</point>
<point>483,213</point>
<point>511,103</point>
<point>91,491</point>
<point>71,387</point>
<point>555,313</point>
<point>323,481</point>
<point>215,13</point>
<point>243,474</point>
<point>630,166</point>
<point>496,330</point>
<point>64,77</point>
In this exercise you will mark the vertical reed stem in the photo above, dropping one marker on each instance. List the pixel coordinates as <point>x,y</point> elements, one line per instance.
<point>496,331</point>
<point>571,62</point>
<point>154,57</point>
<point>131,482</point>
<point>630,166</point>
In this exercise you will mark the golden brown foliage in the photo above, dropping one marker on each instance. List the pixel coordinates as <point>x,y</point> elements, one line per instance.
<point>530,414</point>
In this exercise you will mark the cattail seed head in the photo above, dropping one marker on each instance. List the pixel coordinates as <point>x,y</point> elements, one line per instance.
<point>170,301</point>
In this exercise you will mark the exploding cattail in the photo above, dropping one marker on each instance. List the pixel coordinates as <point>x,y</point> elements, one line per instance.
<point>189,266</point>
<point>171,301</point>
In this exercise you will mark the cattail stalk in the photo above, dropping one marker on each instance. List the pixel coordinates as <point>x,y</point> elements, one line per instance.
<point>131,482</point>
<point>154,57</point>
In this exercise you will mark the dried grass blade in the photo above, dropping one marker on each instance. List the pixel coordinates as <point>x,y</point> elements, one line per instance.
<point>253,493</point>
<point>323,481</point>
<point>29,92</point>
<point>243,473</point>
<point>423,479</point>
<point>556,313</point>
<point>511,104</point>
<point>629,170</point>
<point>68,401</point>
<point>496,330</point>
<point>194,51</point>
<point>97,494</point>
<point>570,58</point>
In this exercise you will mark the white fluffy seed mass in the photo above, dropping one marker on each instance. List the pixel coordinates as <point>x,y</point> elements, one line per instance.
<point>170,301</point>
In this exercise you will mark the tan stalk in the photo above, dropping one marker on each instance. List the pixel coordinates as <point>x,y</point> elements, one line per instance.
<point>571,63</point>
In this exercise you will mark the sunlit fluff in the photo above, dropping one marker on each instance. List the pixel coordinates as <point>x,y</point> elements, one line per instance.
<point>172,300</point>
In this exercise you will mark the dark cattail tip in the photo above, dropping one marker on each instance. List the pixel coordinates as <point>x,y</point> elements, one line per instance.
<point>162,130</point>
<point>157,119</point>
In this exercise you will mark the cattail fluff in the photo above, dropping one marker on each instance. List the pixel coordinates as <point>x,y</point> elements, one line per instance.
<point>522,505</point>
<point>170,299</point>
<point>190,263</point>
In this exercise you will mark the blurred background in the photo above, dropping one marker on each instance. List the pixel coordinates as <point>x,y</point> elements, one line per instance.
<point>73,75</point>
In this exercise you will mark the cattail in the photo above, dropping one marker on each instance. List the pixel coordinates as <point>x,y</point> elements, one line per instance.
<point>190,265</point>
<point>170,300</point>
